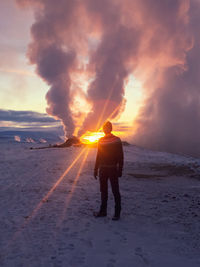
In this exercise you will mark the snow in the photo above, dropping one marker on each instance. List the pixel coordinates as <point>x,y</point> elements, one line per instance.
<point>160,220</point>
<point>17,138</point>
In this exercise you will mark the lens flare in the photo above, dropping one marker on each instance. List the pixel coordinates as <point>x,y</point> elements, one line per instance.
<point>73,187</point>
<point>91,137</point>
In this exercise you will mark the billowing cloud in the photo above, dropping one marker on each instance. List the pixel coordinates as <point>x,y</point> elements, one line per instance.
<point>62,34</point>
<point>155,41</point>
<point>170,119</point>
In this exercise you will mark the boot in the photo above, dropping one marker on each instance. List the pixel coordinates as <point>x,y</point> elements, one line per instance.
<point>116,217</point>
<point>100,214</point>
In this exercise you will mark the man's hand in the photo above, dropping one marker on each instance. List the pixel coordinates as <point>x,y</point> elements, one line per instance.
<point>95,174</point>
<point>119,173</point>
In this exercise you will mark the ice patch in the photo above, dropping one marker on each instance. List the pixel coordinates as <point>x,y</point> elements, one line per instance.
<point>17,138</point>
<point>42,140</point>
<point>29,140</point>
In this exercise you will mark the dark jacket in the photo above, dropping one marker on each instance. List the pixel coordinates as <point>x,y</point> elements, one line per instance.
<point>110,152</point>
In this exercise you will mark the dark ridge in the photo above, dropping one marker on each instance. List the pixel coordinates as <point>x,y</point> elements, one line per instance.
<point>74,141</point>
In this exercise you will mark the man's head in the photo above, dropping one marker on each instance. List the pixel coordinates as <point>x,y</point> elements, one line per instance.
<point>107,127</point>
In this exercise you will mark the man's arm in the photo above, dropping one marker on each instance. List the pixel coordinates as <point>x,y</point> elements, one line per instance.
<point>96,167</point>
<point>120,159</point>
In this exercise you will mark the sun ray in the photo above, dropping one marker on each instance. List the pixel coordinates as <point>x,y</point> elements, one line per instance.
<point>69,196</point>
<point>98,126</point>
<point>44,199</point>
<point>93,137</point>
<point>104,109</point>
<point>113,112</point>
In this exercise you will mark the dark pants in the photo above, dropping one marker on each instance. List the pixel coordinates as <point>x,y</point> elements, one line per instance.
<point>104,175</point>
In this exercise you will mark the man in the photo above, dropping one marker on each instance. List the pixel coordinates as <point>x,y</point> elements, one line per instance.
<point>109,163</point>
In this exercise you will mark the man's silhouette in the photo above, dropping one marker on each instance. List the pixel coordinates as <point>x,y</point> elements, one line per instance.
<point>109,164</point>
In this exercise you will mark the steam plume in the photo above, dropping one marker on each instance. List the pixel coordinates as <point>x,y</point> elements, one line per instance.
<point>53,56</point>
<point>170,119</point>
<point>157,41</point>
<point>117,45</point>
<point>56,56</point>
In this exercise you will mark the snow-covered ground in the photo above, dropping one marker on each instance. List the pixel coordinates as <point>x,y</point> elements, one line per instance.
<point>46,217</point>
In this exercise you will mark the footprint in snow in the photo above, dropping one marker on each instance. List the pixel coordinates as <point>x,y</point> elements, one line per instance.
<point>123,239</point>
<point>88,243</point>
<point>111,263</point>
<point>74,234</point>
<point>70,246</point>
<point>139,252</point>
<point>87,224</point>
<point>65,229</point>
<point>77,261</point>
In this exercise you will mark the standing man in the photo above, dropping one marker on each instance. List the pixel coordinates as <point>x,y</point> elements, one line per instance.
<point>109,164</point>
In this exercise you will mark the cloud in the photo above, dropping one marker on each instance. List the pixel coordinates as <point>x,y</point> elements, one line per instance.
<point>20,72</point>
<point>26,117</point>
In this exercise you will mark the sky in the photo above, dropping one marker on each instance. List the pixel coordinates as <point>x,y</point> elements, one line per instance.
<point>21,88</point>
<point>136,63</point>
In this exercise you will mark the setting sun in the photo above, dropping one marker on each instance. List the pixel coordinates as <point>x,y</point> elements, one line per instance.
<point>91,137</point>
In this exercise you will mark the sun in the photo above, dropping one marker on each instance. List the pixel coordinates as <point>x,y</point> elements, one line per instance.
<point>91,137</point>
